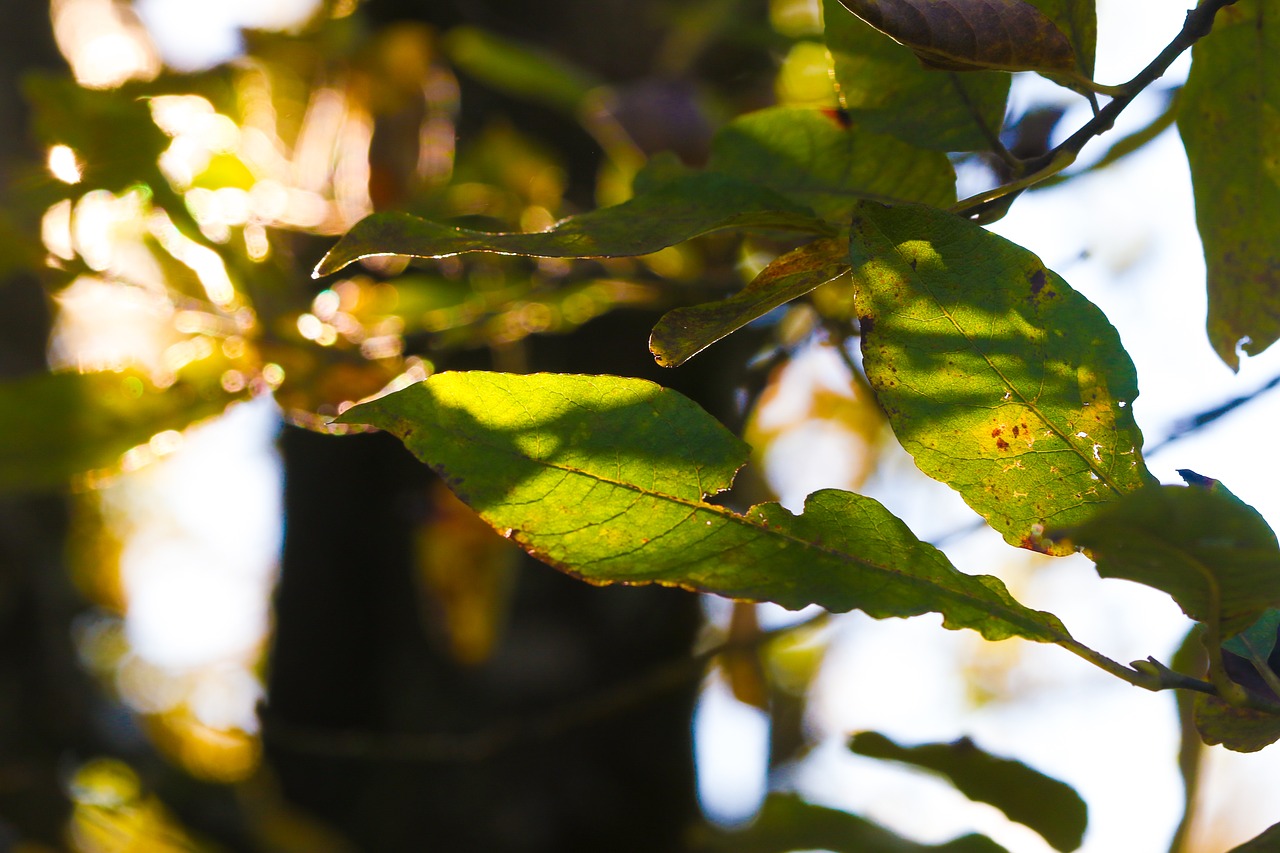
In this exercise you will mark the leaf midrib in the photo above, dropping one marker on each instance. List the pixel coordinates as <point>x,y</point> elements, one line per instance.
<point>996,609</point>
<point>1102,475</point>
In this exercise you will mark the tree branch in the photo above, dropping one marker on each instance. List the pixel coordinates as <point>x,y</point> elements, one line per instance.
<point>991,205</point>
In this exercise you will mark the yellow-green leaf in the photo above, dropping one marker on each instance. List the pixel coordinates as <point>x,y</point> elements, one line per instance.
<point>684,332</point>
<point>605,478</point>
<point>681,209</point>
<point>1229,118</point>
<point>997,377</point>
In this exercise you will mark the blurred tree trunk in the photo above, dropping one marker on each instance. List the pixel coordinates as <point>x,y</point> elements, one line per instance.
<point>43,693</point>
<point>351,656</point>
<point>375,729</point>
<point>433,767</point>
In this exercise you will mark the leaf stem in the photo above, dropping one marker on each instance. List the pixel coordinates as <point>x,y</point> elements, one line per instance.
<point>1198,24</point>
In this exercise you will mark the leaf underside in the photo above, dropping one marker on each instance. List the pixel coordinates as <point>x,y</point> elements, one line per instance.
<point>1237,729</point>
<point>1025,795</point>
<point>1229,118</point>
<point>969,35</point>
<point>787,823</point>
<point>812,159</point>
<point>997,377</point>
<point>605,479</point>
<point>686,207</point>
<point>1213,553</point>
<point>884,88</point>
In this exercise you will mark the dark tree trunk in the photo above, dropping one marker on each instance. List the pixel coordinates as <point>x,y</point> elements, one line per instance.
<point>43,695</point>
<point>516,754</point>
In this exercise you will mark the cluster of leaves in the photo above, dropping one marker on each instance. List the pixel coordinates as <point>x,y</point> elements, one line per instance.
<point>995,375</point>
<point>998,378</point>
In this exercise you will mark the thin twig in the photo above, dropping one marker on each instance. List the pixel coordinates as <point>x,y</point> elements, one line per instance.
<point>1198,24</point>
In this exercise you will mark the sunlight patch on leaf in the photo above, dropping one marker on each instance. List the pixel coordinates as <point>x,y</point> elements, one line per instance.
<point>997,377</point>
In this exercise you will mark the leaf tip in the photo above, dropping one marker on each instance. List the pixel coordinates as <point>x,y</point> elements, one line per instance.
<point>330,263</point>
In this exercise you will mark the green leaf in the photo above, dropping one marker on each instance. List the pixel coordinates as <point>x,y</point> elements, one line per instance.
<point>1213,553</point>
<point>604,478</point>
<point>1257,641</point>
<point>1229,118</point>
<point>1267,842</point>
<point>63,424</point>
<point>1237,729</point>
<point>886,89</point>
<point>810,157</point>
<point>685,332</point>
<point>1078,21</point>
<point>971,35</point>
<point>997,377</point>
<point>787,822</point>
<point>1050,807</point>
<point>684,208</point>
<point>518,69</point>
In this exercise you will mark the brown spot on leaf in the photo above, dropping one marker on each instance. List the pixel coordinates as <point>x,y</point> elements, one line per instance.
<point>1037,282</point>
<point>1034,543</point>
<point>866,324</point>
<point>1002,444</point>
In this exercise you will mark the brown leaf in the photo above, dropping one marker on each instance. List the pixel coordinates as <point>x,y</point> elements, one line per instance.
<point>972,35</point>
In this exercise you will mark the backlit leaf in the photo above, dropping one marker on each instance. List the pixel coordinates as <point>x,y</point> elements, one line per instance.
<point>1229,118</point>
<point>63,424</point>
<point>810,157</point>
<point>684,208</point>
<point>605,479</point>
<point>969,35</point>
<point>997,377</point>
<point>518,69</point>
<point>685,332</point>
<point>886,89</point>
<point>1050,807</point>
<point>787,823</point>
<point>1237,729</point>
<point>1213,553</point>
